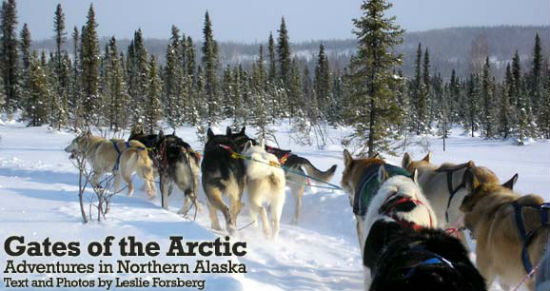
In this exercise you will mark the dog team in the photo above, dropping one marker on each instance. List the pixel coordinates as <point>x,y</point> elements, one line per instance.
<point>408,218</point>
<point>222,172</point>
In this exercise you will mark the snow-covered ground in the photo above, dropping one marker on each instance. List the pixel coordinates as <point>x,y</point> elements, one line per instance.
<point>38,194</point>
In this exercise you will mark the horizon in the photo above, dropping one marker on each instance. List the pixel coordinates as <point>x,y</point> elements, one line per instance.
<point>303,22</point>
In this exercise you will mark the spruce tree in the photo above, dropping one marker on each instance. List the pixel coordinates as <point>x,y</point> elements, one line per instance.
<point>75,102</point>
<point>10,56</point>
<point>61,81</point>
<point>536,81</point>
<point>428,92</point>
<point>138,75</point>
<point>283,54</point>
<point>25,47</point>
<point>90,69</point>
<point>454,98</point>
<point>210,65</point>
<point>487,99</point>
<point>173,80</point>
<point>26,55</point>
<point>272,71</point>
<point>118,115</point>
<point>36,110</point>
<point>153,110</point>
<point>322,82</point>
<point>473,100</point>
<point>372,75</point>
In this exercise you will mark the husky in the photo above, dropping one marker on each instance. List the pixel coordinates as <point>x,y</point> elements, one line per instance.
<point>222,174</point>
<point>265,185</point>
<point>511,230</point>
<point>176,162</point>
<point>295,163</point>
<point>363,180</point>
<point>401,258</point>
<point>445,189</point>
<point>382,192</point>
<point>115,156</point>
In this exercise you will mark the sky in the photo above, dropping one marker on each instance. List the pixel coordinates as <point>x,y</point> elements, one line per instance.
<point>253,20</point>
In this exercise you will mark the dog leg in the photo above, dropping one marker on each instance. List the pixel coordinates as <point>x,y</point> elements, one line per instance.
<point>164,190</point>
<point>265,223</point>
<point>186,205</point>
<point>128,179</point>
<point>215,199</point>
<point>276,212</point>
<point>214,222</point>
<point>253,210</point>
<point>297,191</point>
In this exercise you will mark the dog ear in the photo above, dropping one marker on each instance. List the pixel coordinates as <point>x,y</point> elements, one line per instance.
<point>348,159</point>
<point>510,183</point>
<point>209,133</point>
<point>383,175</point>
<point>428,157</point>
<point>470,181</point>
<point>406,161</point>
<point>243,130</point>
<point>415,176</point>
<point>228,131</point>
<point>161,133</point>
<point>247,145</point>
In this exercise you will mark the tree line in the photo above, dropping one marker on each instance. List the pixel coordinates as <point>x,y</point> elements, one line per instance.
<point>115,87</point>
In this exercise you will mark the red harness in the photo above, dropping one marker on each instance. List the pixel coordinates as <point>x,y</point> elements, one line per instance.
<point>390,212</point>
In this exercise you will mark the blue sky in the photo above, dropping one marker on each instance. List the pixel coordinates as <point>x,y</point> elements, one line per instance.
<point>252,20</point>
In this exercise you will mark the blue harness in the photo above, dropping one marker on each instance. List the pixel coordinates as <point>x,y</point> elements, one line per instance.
<point>526,237</point>
<point>119,154</point>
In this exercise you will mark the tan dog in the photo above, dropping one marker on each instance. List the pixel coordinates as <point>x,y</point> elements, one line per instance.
<point>490,215</point>
<point>103,156</point>
<point>444,187</point>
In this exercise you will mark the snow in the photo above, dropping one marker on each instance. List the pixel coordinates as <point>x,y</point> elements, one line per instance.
<point>38,190</point>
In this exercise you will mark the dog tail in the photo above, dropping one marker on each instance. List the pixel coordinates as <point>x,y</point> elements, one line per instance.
<point>144,163</point>
<point>316,173</point>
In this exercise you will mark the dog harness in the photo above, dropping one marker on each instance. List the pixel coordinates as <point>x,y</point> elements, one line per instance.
<point>433,259</point>
<point>119,154</point>
<point>369,185</point>
<point>397,203</point>
<point>527,237</point>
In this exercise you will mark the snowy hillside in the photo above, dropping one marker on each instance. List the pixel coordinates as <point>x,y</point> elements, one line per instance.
<point>38,190</point>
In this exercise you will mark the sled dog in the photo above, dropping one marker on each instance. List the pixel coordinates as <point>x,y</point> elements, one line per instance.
<point>511,230</point>
<point>368,182</point>
<point>176,162</point>
<point>222,174</point>
<point>400,258</point>
<point>382,192</point>
<point>115,156</point>
<point>445,189</point>
<point>265,185</point>
<point>295,163</point>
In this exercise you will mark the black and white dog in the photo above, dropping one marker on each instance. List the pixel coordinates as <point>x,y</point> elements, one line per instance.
<point>222,174</point>
<point>295,163</point>
<point>401,258</point>
<point>176,163</point>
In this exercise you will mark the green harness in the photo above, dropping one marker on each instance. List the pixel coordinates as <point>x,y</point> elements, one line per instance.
<point>369,185</point>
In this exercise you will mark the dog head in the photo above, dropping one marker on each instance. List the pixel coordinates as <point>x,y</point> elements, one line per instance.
<point>479,192</point>
<point>410,165</point>
<point>240,138</point>
<point>78,144</point>
<point>353,169</point>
